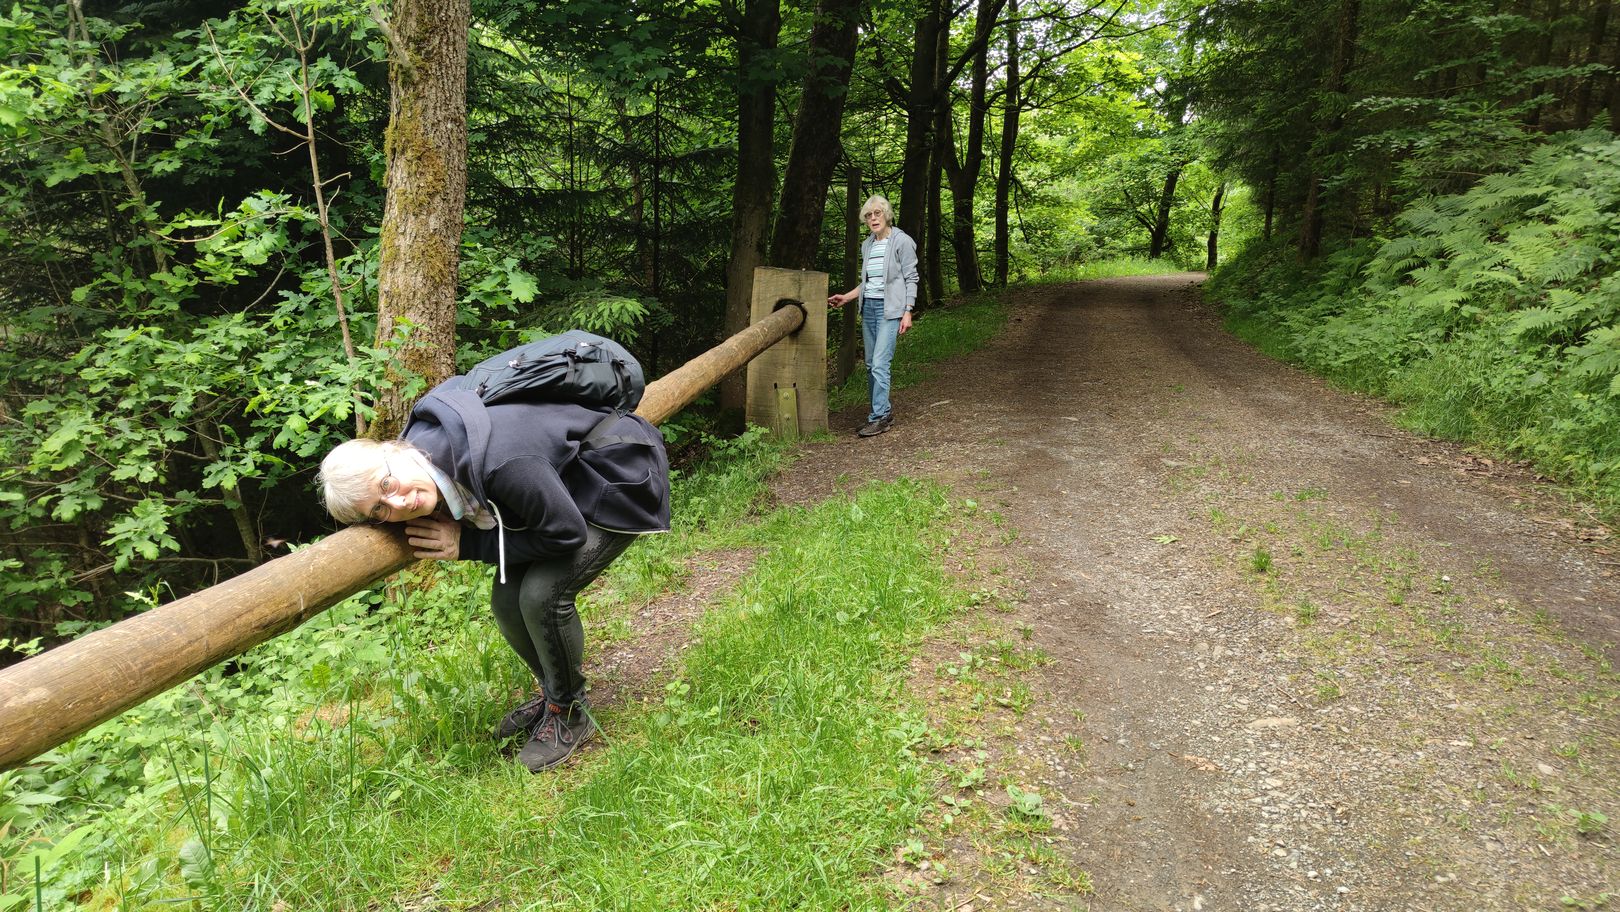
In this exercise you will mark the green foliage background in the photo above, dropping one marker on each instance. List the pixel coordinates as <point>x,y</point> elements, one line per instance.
<point>1493,315</point>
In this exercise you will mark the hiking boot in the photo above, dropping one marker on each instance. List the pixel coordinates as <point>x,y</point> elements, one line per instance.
<point>521,719</point>
<point>874,428</point>
<point>556,735</point>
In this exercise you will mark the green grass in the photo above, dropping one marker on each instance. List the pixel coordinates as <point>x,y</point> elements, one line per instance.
<point>936,335</point>
<point>1107,269</point>
<point>965,326</point>
<point>348,765</point>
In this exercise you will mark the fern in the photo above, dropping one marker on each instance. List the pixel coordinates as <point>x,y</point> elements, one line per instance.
<point>1492,315</point>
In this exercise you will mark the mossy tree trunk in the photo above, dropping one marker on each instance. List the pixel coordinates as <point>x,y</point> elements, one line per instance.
<point>929,249</point>
<point>426,149</point>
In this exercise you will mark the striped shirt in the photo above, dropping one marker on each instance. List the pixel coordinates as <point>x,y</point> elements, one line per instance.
<point>874,268</point>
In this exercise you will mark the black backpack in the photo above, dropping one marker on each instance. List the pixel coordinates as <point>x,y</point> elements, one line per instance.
<point>576,366</point>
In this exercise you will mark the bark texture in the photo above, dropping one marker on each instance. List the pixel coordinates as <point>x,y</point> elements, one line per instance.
<point>815,150</point>
<point>1215,228</point>
<point>755,190</point>
<point>426,149</point>
<point>1310,230</point>
<point>1012,102</point>
<point>963,166</point>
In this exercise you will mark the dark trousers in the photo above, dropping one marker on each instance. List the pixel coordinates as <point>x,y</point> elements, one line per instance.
<point>536,612</point>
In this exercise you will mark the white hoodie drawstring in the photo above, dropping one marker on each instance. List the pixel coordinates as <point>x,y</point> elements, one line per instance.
<point>500,539</point>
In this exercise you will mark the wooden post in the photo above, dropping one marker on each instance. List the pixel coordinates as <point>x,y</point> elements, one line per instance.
<point>787,413</point>
<point>49,698</point>
<point>798,362</point>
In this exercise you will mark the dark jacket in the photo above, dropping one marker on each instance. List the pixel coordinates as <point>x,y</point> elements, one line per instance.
<point>525,461</point>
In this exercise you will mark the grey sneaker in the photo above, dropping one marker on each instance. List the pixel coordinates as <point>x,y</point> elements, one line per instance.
<point>520,719</point>
<point>556,736</point>
<point>874,428</point>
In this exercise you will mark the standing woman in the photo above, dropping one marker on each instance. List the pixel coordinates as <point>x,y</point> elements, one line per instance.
<point>516,485</point>
<point>887,292</point>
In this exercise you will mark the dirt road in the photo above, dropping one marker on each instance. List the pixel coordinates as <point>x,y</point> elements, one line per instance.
<point>1281,654</point>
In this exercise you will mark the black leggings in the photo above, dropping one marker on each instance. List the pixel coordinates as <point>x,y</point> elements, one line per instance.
<point>536,613</point>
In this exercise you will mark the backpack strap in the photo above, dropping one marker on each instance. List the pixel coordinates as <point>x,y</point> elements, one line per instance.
<point>599,436</point>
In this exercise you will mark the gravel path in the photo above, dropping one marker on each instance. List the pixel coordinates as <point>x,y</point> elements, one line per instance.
<point>1290,656</point>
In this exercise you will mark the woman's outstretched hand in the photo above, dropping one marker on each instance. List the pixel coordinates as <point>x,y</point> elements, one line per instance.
<point>434,539</point>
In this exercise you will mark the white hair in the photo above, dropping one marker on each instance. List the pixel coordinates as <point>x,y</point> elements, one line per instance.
<point>349,475</point>
<point>879,205</point>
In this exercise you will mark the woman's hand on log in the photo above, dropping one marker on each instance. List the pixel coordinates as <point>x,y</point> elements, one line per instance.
<point>433,538</point>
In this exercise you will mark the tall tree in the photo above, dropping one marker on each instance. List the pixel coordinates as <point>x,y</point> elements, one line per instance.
<point>1011,107</point>
<point>426,186</point>
<point>918,97</point>
<point>759,24</point>
<point>815,149</point>
<point>963,173</point>
<point>1329,128</point>
<point>1213,250</point>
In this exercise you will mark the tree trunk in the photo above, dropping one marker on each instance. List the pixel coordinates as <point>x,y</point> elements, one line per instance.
<point>426,185</point>
<point>964,174</point>
<point>1009,145</point>
<point>816,148</point>
<point>657,238</point>
<point>245,529</point>
<point>1612,101</point>
<point>1310,229</point>
<point>914,176</point>
<point>852,272</point>
<point>1594,54</point>
<point>1542,57</point>
<point>933,265</point>
<point>1159,239</point>
<point>755,188</point>
<point>637,211</point>
<point>1215,228</point>
<point>1271,196</point>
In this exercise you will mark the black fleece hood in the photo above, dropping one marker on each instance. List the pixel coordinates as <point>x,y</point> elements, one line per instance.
<point>530,462</point>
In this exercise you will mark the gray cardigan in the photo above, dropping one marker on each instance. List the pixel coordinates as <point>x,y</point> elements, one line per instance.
<point>899,273</point>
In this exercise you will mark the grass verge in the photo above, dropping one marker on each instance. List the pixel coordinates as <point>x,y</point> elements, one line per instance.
<point>1107,269</point>
<point>348,766</point>
<point>937,335</point>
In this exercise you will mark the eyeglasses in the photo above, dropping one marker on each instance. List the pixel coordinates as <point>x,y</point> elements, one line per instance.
<point>385,487</point>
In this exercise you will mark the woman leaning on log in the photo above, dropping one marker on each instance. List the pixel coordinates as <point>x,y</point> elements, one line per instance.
<point>516,485</point>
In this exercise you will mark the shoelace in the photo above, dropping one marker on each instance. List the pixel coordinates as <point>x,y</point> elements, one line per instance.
<point>547,729</point>
<point>528,706</point>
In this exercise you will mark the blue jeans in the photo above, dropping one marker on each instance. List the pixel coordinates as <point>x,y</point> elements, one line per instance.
<point>880,336</point>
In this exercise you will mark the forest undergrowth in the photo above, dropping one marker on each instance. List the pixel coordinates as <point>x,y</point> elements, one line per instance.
<point>331,767</point>
<point>1492,316</point>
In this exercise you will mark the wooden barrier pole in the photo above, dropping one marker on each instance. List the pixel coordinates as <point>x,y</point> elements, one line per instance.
<point>51,697</point>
